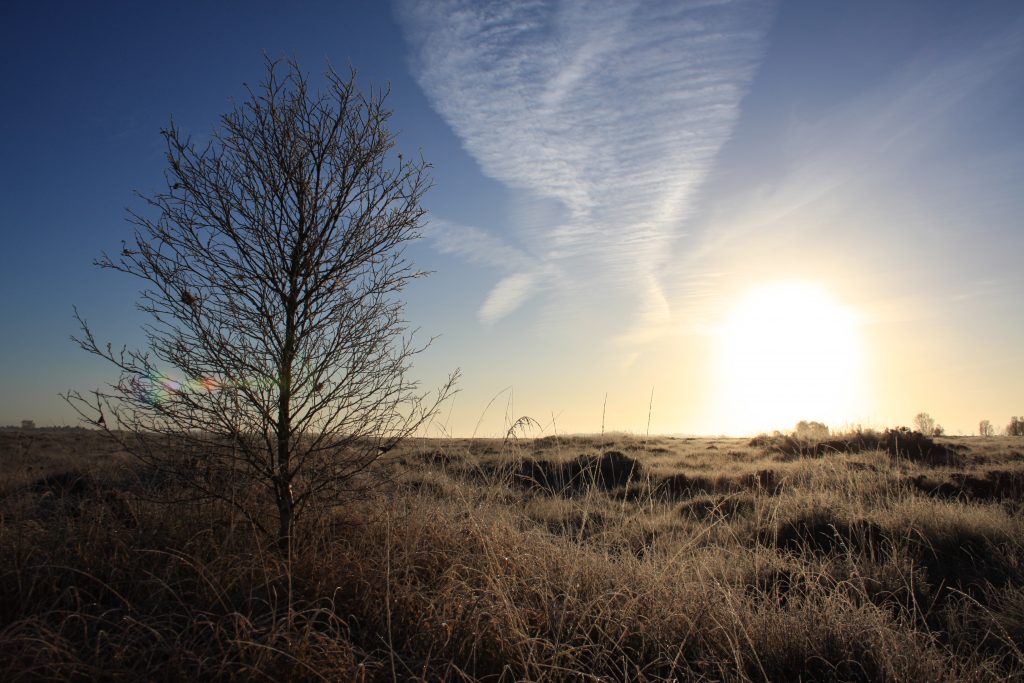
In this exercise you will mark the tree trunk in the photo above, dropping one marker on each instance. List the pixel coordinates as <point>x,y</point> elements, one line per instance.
<point>283,483</point>
<point>283,479</point>
<point>285,514</point>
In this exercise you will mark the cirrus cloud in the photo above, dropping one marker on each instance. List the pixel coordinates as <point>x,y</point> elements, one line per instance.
<point>615,110</point>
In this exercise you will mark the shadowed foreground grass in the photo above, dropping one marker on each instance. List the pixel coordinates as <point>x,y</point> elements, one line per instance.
<point>565,558</point>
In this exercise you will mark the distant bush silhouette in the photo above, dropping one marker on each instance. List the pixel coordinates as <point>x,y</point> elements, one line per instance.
<point>924,423</point>
<point>811,430</point>
<point>899,443</point>
<point>903,443</point>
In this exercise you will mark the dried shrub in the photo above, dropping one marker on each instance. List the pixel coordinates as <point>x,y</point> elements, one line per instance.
<point>899,443</point>
<point>608,471</point>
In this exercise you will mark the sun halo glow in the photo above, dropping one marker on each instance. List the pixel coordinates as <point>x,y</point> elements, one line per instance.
<point>788,352</point>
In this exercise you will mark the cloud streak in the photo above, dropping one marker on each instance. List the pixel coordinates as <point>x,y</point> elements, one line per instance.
<point>615,110</point>
<point>849,182</point>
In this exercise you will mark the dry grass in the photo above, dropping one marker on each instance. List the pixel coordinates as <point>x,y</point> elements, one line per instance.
<point>568,558</point>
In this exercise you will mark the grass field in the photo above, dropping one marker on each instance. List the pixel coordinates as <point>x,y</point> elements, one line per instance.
<point>611,557</point>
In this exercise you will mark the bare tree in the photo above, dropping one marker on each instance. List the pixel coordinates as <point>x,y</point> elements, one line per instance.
<point>985,428</point>
<point>1016,426</point>
<point>278,355</point>
<point>924,423</point>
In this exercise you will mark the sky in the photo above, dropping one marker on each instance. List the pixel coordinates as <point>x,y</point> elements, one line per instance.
<point>707,217</point>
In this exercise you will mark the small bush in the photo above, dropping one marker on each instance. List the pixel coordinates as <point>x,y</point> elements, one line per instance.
<point>822,530</point>
<point>920,448</point>
<point>899,443</point>
<point>608,471</point>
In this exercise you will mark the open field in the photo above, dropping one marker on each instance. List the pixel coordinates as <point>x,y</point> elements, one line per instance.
<point>608,557</point>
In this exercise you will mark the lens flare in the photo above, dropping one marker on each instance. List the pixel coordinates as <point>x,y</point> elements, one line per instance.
<point>157,388</point>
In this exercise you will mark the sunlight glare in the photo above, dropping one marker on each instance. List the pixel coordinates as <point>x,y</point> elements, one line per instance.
<point>788,352</point>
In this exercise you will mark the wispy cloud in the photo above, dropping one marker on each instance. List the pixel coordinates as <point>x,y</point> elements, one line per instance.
<point>616,110</point>
<point>849,181</point>
<point>523,274</point>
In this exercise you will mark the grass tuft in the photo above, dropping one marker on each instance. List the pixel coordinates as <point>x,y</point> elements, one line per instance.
<point>576,558</point>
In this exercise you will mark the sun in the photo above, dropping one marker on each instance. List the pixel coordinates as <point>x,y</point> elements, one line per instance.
<point>788,352</point>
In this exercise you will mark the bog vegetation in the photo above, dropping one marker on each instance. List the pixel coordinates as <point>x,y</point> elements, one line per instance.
<point>888,556</point>
<point>309,539</point>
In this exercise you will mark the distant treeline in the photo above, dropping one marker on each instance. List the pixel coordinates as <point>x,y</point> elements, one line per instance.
<point>31,425</point>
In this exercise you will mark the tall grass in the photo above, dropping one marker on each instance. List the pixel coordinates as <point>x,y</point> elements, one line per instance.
<point>569,558</point>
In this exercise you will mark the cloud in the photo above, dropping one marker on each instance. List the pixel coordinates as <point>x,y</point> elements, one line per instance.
<point>525,275</point>
<point>615,110</point>
<point>849,179</point>
<point>508,295</point>
<point>476,246</point>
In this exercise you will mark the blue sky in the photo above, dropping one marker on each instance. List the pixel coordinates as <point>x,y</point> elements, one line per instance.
<point>753,212</point>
